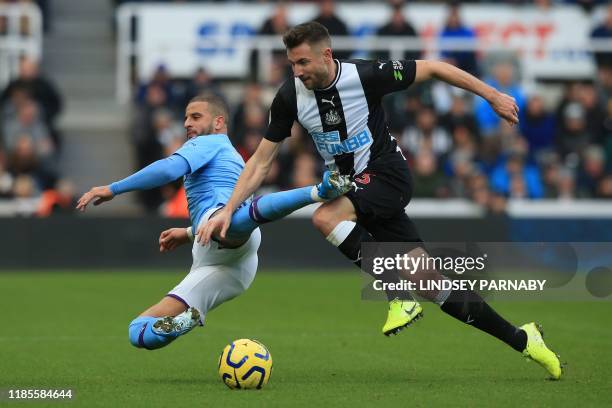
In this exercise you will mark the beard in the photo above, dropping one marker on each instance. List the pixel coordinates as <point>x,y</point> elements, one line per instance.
<point>317,80</point>
<point>208,130</point>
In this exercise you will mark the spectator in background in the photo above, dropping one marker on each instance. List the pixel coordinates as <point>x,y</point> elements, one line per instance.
<point>160,79</point>
<point>426,135</point>
<point>398,26</point>
<point>276,24</point>
<point>592,171</point>
<point>33,84</point>
<point>27,121</point>
<point>169,132</point>
<point>461,168</point>
<point>459,115</point>
<point>455,29</point>
<point>503,80</point>
<point>249,144</point>
<point>251,98</point>
<point>29,145</point>
<point>566,184</point>
<point>571,95</point>
<point>6,181</point>
<point>605,188</point>
<point>550,166</point>
<point>145,139</point>
<point>595,115</point>
<point>175,201</point>
<point>334,24</point>
<point>497,205</point>
<point>464,142</point>
<point>428,180</point>
<point>201,83</point>
<point>478,187</point>
<point>573,136</point>
<point>60,200</point>
<point>538,126</point>
<point>516,179</point>
<point>603,32</point>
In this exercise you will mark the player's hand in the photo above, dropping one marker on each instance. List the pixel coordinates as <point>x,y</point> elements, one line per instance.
<point>216,226</point>
<point>98,194</point>
<point>505,106</point>
<point>172,238</point>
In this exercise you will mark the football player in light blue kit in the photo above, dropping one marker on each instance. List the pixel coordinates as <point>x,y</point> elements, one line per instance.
<point>223,268</point>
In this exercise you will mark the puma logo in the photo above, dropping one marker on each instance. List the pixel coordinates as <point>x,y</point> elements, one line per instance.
<point>330,101</point>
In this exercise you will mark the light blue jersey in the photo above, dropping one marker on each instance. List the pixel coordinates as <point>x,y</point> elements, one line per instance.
<point>214,169</point>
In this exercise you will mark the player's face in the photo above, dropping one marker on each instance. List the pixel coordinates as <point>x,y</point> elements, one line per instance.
<point>310,63</point>
<point>198,120</point>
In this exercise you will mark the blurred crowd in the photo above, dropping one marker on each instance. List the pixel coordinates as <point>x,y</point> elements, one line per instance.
<point>30,143</point>
<point>456,145</point>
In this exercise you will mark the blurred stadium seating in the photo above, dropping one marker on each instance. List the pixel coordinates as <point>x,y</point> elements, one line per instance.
<point>459,151</point>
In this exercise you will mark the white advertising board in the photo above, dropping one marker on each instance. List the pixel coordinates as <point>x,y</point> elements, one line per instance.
<point>184,37</point>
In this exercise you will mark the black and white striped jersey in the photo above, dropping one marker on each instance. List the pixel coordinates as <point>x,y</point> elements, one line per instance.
<point>345,120</point>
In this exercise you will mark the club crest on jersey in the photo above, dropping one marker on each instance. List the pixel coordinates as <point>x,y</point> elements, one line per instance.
<point>329,143</point>
<point>332,118</point>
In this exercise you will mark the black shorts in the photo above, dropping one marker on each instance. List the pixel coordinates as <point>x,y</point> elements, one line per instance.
<point>382,192</point>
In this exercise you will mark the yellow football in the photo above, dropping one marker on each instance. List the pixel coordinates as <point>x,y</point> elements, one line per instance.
<point>245,364</point>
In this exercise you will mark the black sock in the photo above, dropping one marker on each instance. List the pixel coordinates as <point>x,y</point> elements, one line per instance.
<point>351,248</point>
<point>470,308</point>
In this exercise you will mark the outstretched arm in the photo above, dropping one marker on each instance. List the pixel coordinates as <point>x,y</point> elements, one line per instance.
<point>504,105</point>
<point>250,179</point>
<point>154,175</point>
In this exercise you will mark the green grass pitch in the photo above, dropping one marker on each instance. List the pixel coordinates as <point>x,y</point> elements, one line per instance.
<point>69,330</point>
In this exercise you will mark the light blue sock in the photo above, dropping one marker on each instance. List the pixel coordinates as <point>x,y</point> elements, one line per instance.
<point>269,207</point>
<point>142,336</point>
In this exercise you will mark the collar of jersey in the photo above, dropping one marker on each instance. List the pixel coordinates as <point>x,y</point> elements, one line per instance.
<point>335,81</point>
<point>213,134</point>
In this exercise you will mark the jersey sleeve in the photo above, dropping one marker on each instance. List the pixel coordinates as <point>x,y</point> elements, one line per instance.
<point>391,76</point>
<point>283,113</point>
<point>198,152</point>
<point>154,175</point>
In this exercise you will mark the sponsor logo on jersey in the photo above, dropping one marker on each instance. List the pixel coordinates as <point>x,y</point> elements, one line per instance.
<point>332,118</point>
<point>329,143</point>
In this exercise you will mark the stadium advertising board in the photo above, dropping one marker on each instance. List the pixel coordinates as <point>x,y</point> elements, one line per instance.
<point>216,36</point>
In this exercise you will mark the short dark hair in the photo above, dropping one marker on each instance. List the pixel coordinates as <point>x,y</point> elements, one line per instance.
<point>310,33</point>
<point>216,104</point>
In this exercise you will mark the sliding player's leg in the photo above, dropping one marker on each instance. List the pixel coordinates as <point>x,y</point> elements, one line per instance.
<point>216,276</point>
<point>163,322</point>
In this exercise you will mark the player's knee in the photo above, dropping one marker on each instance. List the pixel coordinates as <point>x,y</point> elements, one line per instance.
<point>324,220</point>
